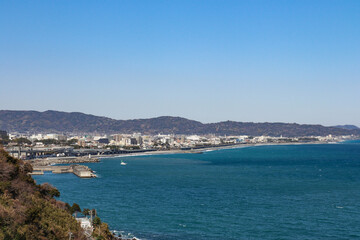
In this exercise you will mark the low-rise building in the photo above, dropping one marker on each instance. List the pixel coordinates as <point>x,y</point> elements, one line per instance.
<point>85,224</point>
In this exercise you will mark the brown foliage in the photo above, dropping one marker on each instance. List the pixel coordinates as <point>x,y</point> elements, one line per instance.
<point>29,211</point>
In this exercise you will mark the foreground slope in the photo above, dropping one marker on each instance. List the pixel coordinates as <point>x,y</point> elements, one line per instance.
<point>29,212</point>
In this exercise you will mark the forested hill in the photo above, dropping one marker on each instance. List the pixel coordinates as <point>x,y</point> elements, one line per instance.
<point>75,122</point>
<point>30,211</point>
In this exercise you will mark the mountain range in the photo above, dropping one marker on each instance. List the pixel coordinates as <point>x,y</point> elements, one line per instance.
<point>76,122</point>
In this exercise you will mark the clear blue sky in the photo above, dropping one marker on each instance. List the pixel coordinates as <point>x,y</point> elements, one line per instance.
<point>285,61</point>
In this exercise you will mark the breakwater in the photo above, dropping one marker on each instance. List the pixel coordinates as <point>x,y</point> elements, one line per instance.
<point>79,170</point>
<point>68,160</point>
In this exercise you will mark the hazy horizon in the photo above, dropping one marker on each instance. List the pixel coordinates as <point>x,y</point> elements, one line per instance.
<point>209,61</point>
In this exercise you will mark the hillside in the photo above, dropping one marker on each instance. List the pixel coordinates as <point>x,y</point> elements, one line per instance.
<point>63,122</point>
<point>349,127</point>
<point>28,211</point>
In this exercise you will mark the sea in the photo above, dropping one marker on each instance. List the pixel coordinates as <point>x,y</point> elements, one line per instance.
<point>309,191</point>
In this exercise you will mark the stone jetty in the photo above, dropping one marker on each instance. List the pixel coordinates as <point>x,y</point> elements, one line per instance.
<point>64,160</point>
<point>45,165</point>
<point>79,170</point>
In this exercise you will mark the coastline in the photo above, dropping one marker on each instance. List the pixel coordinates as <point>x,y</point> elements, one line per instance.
<point>97,158</point>
<point>202,150</point>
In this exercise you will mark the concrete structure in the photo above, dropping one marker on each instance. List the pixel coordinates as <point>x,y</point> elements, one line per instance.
<point>85,224</point>
<point>79,170</point>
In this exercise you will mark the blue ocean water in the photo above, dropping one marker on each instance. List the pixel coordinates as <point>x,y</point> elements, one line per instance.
<point>264,192</point>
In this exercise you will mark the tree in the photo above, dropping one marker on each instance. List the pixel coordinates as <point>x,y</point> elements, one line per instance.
<point>68,208</point>
<point>75,208</point>
<point>96,221</point>
<point>71,141</point>
<point>93,212</point>
<point>49,190</point>
<point>21,141</point>
<point>86,212</point>
<point>49,141</point>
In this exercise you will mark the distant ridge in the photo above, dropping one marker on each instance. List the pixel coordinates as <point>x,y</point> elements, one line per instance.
<point>348,127</point>
<point>76,122</point>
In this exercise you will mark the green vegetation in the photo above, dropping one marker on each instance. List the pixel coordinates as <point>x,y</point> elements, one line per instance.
<point>101,230</point>
<point>113,147</point>
<point>86,212</point>
<point>49,141</point>
<point>96,222</point>
<point>75,208</point>
<point>21,141</point>
<point>131,147</point>
<point>29,211</point>
<point>71,142</point>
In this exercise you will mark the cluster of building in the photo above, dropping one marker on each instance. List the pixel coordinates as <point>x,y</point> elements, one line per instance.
<point>157,142</point>
<point>34,146</point>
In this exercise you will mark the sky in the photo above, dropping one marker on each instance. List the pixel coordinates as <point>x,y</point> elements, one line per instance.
<point>210,61</point>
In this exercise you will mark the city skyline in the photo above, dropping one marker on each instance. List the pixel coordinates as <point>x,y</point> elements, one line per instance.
<point>248,61</point>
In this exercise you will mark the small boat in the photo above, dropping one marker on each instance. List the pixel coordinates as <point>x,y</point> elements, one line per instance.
<point>123,163</point>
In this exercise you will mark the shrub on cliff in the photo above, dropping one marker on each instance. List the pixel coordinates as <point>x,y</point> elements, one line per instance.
<point>28,211</point>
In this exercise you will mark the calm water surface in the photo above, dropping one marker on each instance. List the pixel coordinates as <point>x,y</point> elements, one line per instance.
<point>267,192</point>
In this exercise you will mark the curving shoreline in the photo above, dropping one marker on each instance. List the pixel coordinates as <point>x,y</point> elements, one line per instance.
<point>96,158</point>
<point>202,150</point>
